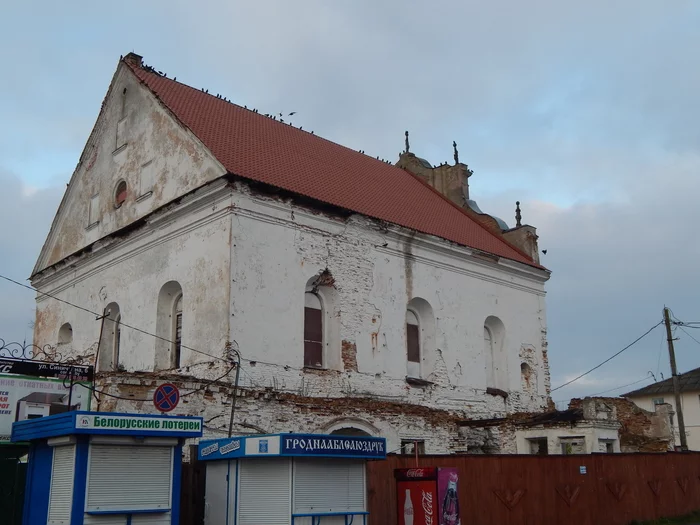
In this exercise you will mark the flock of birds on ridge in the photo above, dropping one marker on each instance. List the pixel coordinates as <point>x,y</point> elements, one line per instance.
<point>150,69</point>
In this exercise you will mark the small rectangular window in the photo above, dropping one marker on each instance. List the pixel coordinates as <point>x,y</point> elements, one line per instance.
<point>606,446</point>
<point>94,212</point>
<point>573,445</point>
<point>657,401</point>
<point>147,178</point>
<point>313,338</point>
<point>121,133</point>
<point>409,446</point>
<point>538,446</point>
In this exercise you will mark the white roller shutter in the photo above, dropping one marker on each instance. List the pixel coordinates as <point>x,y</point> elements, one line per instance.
<point>61,491</point>
<point>129,478</point>
<point>333,485</point>
<point>104,519</point>
<point>264,494</point>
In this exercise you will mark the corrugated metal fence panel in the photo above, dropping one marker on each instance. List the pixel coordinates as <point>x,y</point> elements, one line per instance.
<point>328,486</point>
<point>61,492</point>
<point>265,492</point>
<point>129,477</point>
<point>610,489</point>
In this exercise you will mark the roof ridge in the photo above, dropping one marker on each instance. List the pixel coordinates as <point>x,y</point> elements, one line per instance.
<point>325,171</point>
<point>201,91</point>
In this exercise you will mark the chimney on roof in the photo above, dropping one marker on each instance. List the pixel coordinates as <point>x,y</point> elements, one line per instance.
<point>134,60</point>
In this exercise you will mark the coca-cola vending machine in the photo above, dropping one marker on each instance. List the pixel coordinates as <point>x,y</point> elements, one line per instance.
<point>427,496</point>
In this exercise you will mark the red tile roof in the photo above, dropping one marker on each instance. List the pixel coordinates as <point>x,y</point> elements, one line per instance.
<point>259,148</point>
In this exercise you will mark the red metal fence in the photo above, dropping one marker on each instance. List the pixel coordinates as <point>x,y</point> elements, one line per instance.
<point>599,489</point>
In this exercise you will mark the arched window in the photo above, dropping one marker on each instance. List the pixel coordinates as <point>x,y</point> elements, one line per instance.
<point>420,339</point>
<point>177,332</point>
<point>169,327</point>
<point>116,343</point>
<point>413,350</point>
<point>110,341</point>
<point>120,194</point>
<point>65,334</point>
<point>495,354</point>
<point>321,327</point>
<point>349,431</point>
<point>313,331</point>
<point>488,354</point>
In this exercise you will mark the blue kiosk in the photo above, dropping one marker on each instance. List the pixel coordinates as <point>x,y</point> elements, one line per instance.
<point>95,468</point>
<point>288,479</point>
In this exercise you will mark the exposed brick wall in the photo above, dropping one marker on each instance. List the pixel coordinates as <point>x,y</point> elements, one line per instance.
<point>349,355</point>
<point>641,430</point>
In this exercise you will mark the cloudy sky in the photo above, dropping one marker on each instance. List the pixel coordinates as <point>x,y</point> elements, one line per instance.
<point>586,112</point>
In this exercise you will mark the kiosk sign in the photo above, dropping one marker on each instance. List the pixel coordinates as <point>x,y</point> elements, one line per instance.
<point>310,445</point>
<point>135,423</point>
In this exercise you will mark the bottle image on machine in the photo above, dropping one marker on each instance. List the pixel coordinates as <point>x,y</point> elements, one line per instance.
<point>408,509</point>
<point>450,505</point>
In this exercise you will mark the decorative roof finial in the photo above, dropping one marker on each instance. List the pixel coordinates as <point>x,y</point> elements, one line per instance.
<point>454,145</point>
<point>408,146</point>
<point>518,217</point>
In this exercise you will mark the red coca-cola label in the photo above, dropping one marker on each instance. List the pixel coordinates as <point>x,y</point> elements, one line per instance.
<point>411,474</point>
<point>427,504</point>
<point>423,508</point>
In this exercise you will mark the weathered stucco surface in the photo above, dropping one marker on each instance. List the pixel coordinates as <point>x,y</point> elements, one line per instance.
<point>244,259</point>
<point>134,140</point>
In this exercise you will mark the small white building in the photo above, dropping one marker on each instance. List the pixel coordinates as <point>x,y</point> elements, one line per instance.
<point>591,428</point>
<point>653,396</point>
<point>363,297</point>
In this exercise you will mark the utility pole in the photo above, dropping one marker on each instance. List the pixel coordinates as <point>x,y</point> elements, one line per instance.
<point>676,381</point>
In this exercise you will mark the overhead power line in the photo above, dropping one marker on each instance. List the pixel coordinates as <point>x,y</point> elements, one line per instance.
<point>99,315</point>
<point>688,334</point>
<point>609,358</point>
<point>623,386</point>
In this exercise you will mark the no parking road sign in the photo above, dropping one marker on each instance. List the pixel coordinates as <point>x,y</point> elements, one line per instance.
<point>166,397</point>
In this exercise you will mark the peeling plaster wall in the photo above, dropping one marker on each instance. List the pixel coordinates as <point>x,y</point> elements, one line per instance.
<point>243,261</point>
<point>192,250</point>
<point>178,164</point>
<point>278,248</point>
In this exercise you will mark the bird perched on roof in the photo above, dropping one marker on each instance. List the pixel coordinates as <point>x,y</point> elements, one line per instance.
<point>175,78</point>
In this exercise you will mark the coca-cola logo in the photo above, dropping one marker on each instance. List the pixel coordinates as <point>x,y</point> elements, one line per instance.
<point>427,503</point>
<point>415,473</point>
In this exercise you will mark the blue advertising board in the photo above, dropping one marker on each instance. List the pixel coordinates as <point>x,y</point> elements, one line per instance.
<point>315,445</point>
<point>344,446</point>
